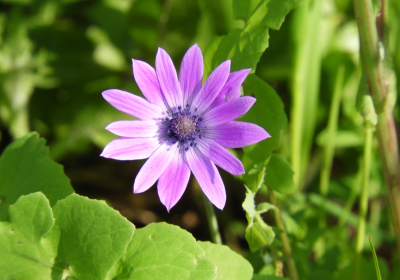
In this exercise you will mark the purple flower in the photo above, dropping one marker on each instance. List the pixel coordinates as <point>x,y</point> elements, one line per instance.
<point>183,126</point>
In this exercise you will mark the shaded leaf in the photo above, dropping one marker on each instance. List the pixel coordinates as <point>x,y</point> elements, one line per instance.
<point>267,112</point>
<point>279,175</point>
<point>25,168</point>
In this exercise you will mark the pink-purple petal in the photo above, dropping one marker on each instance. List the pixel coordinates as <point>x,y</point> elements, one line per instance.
<point>228,111</point>
<point>173,181</point>
<point>236,134</point>
<point>153,168</point>
<point>221,157</point>
<point>146,79</point>
<point>212,86</point>
<point>191,73</point>
<point>130,148</point>
<point>168,79</point>
<point>208,177</point>
<point>131,104</point>
<point>231,89</point>
<point>137,129</point>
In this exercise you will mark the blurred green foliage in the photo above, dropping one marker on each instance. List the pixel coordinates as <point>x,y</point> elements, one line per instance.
<point>56,56</point>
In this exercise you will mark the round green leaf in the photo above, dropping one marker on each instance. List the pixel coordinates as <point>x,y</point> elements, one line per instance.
<point>230,265</point>
<point>163,251</point>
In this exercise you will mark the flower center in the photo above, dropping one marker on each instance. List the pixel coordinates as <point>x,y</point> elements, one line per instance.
<point>183,127</point>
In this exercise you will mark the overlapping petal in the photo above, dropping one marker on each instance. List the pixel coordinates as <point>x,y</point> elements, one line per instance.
<point>208,177</point>
<point>231,89</point>
<point>146,79</point>
<point>228,111</point>
<point>131,104</point>
<point>130,148</point>
<point>168,79</point>
<point>153,168</point>
<point>221,157</point>
<point>173,181</point>
<point>236,134</point>
<point>212,86</point>
<point>191,73</point>
<point>134,128</point>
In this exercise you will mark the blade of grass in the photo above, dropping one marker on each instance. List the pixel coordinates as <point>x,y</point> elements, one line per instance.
<point>378,272</point>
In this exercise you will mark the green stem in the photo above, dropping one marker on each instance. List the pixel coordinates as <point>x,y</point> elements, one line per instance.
<point>331,133</point>
<point>330,141</point>
<point>287,249</point>
<point>385,129</point>
<point>363,207</point>
<point>212,221</point>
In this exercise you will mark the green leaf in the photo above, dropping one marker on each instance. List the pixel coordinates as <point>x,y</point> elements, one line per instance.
<point>258,233</point>
<point>245,46</point>
<point>163,251</point>
<point>25,168</point>
<point>24,253</point>
<point>230,265</point>
<point>267,112</point>
<point>279,175</point>
<point>254,178</point>
<point>90,236</point>
<point>83,240</point>
<point>268,277</point>
<point>378,272</point>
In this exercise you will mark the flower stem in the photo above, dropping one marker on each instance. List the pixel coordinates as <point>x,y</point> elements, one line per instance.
<point>385,129</point>
<point>287,249</point>
<point>212,221</point>
<point>363,199</point>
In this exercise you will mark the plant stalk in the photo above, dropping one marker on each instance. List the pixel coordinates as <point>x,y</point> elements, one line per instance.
<point>363,207</point>
<point>212,221</point>
<point>287,249</point>
<point>385,129</point>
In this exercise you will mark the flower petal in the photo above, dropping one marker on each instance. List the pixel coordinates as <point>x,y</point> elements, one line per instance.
<point>228,111</point>
<point>231,89</point>
<point>221,157</point>
<point>131,104</point>
<point>173,181</point>
<point>146,79</point>
<point>207,176</point>
<point>168,79</point>
<point>153,168</point>
<point>212,87</point>
<point>235,134</point>
<point>130,148</point>
<point>137,129</point>
<point>191,73</point>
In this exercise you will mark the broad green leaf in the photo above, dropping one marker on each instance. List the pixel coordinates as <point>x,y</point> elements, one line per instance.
<point>258,233</point>
<point>230,265</point>
<point>279,175</point>
<point>245,46</point>
<point>25,168</point>
<point>267,112</point>
<point>83,240</point>
<point>24,252</point>
<point>90,237</point>
<point>163,251</point>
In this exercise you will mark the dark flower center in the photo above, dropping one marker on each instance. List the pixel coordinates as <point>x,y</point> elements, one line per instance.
<point>183,127</point>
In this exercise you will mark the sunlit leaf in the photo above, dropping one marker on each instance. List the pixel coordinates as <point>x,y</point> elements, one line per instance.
<point>229,264</point>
